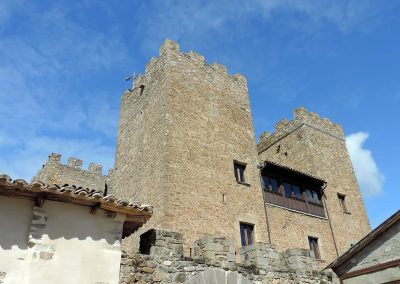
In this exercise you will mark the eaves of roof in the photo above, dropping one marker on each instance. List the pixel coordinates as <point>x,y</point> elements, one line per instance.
<point>19,188</point>
<point>366,240</point>
<point>289,169</point>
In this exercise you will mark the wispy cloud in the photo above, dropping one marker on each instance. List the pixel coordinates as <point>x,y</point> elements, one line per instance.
<point>7,7</point>
<point>33,152</point>
<point>368,174</point>
<point>45,105</point>
<point>195,20</point>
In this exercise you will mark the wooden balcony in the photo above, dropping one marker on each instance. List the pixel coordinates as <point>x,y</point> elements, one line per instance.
<point>294,203</point>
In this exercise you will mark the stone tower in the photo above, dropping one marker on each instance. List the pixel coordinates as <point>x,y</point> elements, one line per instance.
<point>316,146</point>
<point>184,130</point>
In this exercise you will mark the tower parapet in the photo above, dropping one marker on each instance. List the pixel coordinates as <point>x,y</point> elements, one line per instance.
<point>301,117</point>
<point>170,53</point>
<point>53,172</point>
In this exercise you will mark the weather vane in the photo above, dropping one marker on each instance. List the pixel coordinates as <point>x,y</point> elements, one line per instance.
<point>130,78</point>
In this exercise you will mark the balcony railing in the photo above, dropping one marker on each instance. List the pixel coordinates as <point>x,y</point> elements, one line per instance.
<point>294,203</point>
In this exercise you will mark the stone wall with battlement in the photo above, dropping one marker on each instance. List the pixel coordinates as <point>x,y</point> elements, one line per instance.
<point>301,117</point>
<point>53,172</point>
<point>213,260</point>
<point>316,146</point>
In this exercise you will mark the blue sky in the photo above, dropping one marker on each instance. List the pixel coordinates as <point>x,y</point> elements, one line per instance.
<point>63,64</point>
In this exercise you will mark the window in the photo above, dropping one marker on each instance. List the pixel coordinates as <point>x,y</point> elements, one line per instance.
<point>292,190</point>
<point>239,169</point>
<point>293,194</point>
<point>247,234</point>
<point>288,188</point>
<point>313,242</point>
<point>141,87</point>
<point>342,201</point>
<point>270,184</point>
<point>313,196</point>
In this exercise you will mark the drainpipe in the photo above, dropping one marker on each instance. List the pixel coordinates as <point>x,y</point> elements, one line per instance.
<point>261,167</point>
<point>329,219</point>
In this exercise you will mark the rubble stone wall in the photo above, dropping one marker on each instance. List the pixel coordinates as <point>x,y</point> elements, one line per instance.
<point>383,249</point>
<point>213,262</point>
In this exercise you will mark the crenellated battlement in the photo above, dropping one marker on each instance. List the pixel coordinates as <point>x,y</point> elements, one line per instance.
<point>170,52</point>
<point>72,173</point>
<point>301,117</point>
<point>74,163</point>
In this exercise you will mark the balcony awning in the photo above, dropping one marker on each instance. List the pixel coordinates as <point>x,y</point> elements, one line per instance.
<point>273,168</point>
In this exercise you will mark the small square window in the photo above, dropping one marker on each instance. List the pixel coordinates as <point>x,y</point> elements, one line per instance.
<point>313,242</point>
<point>247,234</point>
<point>342,201</point>
<point>239,169</point>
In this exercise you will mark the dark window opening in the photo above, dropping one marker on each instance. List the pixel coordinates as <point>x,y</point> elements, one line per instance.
<point>270,184</point>
<point>342,201</point>
<point>239,169</point>
<point>247,234</point>
<point>141,87</point>
<point>313,242</point>
<point>147,240</point>
<point>292,190</point>
<point>313,196</point>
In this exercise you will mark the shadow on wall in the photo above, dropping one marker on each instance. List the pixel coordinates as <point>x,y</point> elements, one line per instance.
<point>215,276</point>
<point>20,222</point>
<point>15,220</point>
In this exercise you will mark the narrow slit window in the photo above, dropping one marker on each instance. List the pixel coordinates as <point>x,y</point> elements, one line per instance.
<point>313,242</point>
<point>342,201</point>
<point>141,89</point>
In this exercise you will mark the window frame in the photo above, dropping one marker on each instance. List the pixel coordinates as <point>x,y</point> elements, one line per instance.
<point>239,170</point>
<point>244,234</point>
<point>314,246</point>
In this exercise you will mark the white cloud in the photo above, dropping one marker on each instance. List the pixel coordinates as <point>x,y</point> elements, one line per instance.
<point>368,175</point>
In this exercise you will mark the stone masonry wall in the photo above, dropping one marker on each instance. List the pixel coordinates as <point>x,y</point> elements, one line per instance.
<point>53,172</point>
<point>181,128</point>
<point>316,146</point>
<point>383,249</point>
<point>140,161</point>
<point>213,262</point>
<point>291,230</point>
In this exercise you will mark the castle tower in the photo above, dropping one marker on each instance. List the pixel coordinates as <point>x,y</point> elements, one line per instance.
<point>186,145</point>
<point>315,146</point>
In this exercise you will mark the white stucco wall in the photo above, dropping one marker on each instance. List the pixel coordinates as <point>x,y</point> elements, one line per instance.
<point>69,244</point>
<point>15,220</point>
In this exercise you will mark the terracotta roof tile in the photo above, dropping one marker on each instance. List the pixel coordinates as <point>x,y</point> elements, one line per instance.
<point>72,194</point>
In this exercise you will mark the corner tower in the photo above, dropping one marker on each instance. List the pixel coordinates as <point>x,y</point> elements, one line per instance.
<point>315,146</point>
<point>186,145</point>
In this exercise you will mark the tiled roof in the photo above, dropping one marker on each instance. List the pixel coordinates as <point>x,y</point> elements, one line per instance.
<point>71,194</point>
